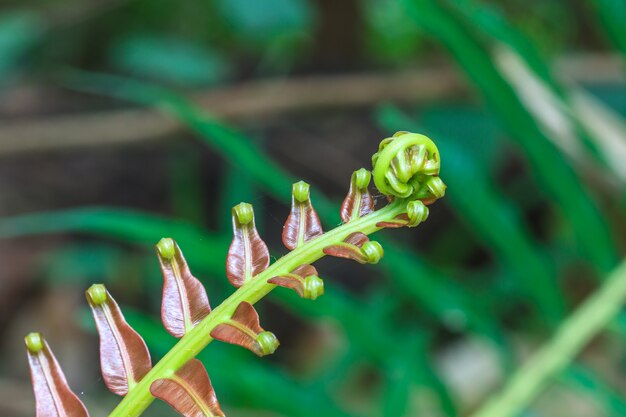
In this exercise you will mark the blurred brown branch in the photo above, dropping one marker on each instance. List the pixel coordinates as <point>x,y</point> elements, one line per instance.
<point>262,99</point>
<point>256,99</point>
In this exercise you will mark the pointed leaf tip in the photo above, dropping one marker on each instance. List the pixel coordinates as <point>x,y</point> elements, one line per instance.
<point>303,223</point>
<point>53,396</point>
<point>97,294</point>
<point>301,191</point>
<point>34,342</point>
<point>359,201</point>
<point>244,329</point>
<point>185,302</point>
<point>267,342</point>
<point>362,178</point>
<point>244,213</point>
<point>166,248</point>
<point>248,254</point>
<point>189,391</point>
<point>124,357</point>
<point>373,252</point>
<point>313,287</point>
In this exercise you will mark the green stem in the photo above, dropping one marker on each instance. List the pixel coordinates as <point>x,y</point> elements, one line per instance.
<point>199,337</point>
<point>572,336</point>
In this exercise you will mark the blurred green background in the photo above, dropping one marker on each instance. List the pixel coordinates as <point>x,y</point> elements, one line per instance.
<point>123,121</point>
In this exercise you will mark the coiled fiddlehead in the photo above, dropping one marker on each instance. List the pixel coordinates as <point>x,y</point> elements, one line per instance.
<point>407,166</point>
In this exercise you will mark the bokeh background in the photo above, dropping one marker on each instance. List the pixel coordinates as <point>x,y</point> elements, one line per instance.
<point>122,121</point>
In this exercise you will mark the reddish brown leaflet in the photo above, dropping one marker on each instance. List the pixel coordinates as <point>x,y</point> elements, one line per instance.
<point>303,223</point>
<point>248,254</point>
<point>124,357</point>
<point>358,202</point>
<point>400,220</point>
<point>244,329</point>
<point>185,302</point>
<point>295,280</point>
<point>350,248</point>
<point>53,396</point>
<point>189,391</point>
<point>356,239</point>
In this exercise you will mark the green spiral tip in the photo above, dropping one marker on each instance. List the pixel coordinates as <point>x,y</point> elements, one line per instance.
<point>97,294</point>
<point>313,287</point>
<point>244,213</point>
<point>362,178</point>
<point>301,191</point>
<point>436,187</point>
<point>373,251</point>
<point>417,212</point>
<point>267,342</point>
<point>166,248</point>
<point>403,163</point>
<point>34,342</point>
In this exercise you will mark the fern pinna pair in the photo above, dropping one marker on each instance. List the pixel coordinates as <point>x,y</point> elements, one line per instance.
<point>405,169</point>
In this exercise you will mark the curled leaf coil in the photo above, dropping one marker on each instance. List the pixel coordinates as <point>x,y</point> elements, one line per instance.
<point>404,163</point>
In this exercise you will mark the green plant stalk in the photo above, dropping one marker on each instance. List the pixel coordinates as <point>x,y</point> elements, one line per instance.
<point>139,398</point>
<point>572,336</point>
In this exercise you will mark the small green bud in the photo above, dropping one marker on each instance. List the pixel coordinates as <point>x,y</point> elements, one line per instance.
<point>267,342</point>
<point>97,294</point>
<point>301,191</point>
<point>362,178</point>
<point>313,287</point>
<point>436,187</point>
<point>166,248</point>
<point>34,342</point>
<point>417,212</point>
<point>373,251</point>
<point>244,213</point>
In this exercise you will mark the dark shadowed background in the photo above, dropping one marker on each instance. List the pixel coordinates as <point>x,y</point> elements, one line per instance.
<point>123,121</point>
